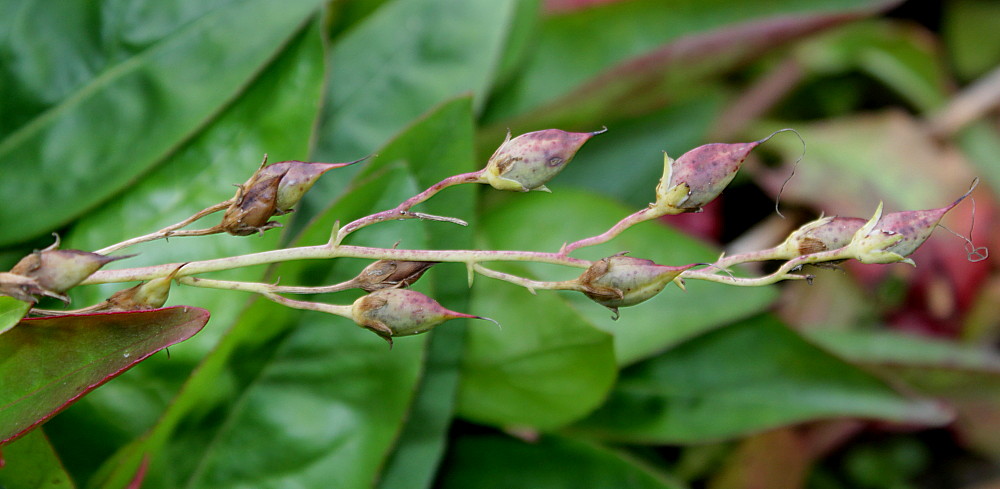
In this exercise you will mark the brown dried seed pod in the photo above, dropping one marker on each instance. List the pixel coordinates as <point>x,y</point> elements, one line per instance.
<point>255,204</point>
<point>385,274</point>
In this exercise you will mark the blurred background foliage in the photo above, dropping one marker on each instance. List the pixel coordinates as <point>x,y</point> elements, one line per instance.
<point>120,117</point>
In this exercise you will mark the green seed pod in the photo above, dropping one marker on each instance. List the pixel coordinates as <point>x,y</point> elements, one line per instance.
<point>57,270</point>
<point>621,281</point>
<point>387,274</point>
<point>401,312</point>
<point>530,160</point>
<point>147,295</point>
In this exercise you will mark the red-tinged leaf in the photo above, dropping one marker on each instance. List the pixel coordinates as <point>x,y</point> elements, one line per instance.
<point>48,363</point>
<point>669,54</point>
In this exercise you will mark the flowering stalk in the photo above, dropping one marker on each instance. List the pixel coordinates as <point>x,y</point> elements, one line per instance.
<point>524,163</point>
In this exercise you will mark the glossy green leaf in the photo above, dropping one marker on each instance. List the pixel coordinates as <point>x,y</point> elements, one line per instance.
<point>153,86</point>
<point>31,463</point>
<point>402,60</point>
<point>48,363</point>
<point>306,399</point>
<point>274,115</point>
<point>644,329</point>
<point>494,461</point>
<point>544,368</point>
<point>11,312</point>
<point>741,379</point>
<point>641,53</point>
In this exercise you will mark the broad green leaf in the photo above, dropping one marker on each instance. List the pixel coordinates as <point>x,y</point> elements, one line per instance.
<point>745,378</point>
<point>31,463</point>
<point>647,328</point>
<point>11,312</point>
<point>135,107</point>
<point>274,115</point>
<point>544,368</point>
<point>290,399</point>
<point>640,53</point>
<point>494,461</point>
<point>47,364</point>
<point>402,60</point>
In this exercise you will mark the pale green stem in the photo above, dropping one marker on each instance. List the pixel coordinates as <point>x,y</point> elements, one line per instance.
<point>171,231</point>
<point>266,290</point>
<point>262,288</point>
<point>637,217</point>
<point>402,211</point>
<point>529,284</point>
<point>323,252</point>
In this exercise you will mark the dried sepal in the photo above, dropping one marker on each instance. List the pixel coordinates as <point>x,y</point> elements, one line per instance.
<point>530,160</point>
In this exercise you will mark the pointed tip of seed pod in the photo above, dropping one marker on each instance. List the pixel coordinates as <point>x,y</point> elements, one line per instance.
<point>602,130</point>
<point>484,318</point>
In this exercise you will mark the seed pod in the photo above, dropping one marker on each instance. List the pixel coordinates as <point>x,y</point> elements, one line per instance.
<point>387,274</point>
<point>401,312</point>
<point>871,244</point>
<point>145,296</point>
<point>700,175</point>
<point>621,281</point>
<point>57,270</point>
<point>297,177</point>
<point>530,160</point>
<point>256,202</point>
<point>823,234</point>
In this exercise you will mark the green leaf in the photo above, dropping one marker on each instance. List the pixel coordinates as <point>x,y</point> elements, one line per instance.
<point>645,329</point>
<point>642,53</point>
<point>492,461</point>
<point>402,60</point>
<point>154,85</point>
<point>11,312</point>
<point>31,463</point>
<point>745,378</point>
<point>48,363</point>
<point>306,399</point>
<point>544,368</point>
